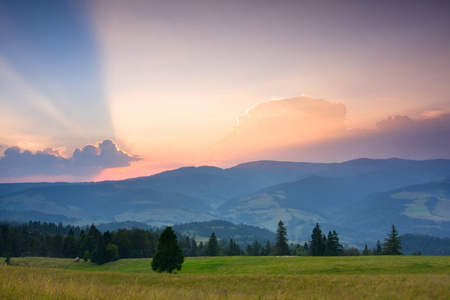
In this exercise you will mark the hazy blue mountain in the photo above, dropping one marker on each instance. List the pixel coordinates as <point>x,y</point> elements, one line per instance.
<point>320,195</point>
<point>302,203</point>
<point>8,188</point>
<point>105,202</point>
<point>27,215</point>
<point>268,173</point>
<point>353,198</point>
<point>424,244</point>
<point>273,172</point>
<point>211,185</point>
<point>420,209</point>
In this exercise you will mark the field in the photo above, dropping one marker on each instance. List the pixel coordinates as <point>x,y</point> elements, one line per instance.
<point>367,277</point>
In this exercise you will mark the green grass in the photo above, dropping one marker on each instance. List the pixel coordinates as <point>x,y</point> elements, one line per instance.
<point>367,265</point>
<point>318,265</point>
<point>367,277</point>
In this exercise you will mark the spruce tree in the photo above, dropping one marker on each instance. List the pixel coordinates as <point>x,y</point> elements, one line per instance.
<point>212,249</point>
<point>194,248</point>
<point>366,250</point>
<point>233,249</point>
<point>281,247</point>
<point>317,245</point>
<point>267,249</point>
<point>393,243</point>
<point>378,250</point>
<point>70,246</point>
<point>201,249</point>
<point>168,256</point>
<point>332,246</point>
<point>306,246</point>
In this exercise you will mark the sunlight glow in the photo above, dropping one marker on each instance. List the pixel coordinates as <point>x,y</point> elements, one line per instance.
<point>194,83</point>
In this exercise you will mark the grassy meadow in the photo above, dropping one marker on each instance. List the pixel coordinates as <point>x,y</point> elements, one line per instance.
<point>369,277</point>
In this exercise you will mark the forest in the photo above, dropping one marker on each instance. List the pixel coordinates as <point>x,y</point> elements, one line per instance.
<point>89,243</point>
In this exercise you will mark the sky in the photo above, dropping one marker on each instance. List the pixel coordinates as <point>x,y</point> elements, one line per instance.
<point>100,90</point>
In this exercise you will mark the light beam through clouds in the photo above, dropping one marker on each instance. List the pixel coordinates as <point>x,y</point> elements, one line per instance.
<point>167,79</point>
<point>51,92</point>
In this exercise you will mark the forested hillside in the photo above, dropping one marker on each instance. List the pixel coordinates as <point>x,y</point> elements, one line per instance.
<point>419,244</point>
<point>361,198</point>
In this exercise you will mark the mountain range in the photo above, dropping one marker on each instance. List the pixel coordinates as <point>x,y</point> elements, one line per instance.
<point>360,199</point>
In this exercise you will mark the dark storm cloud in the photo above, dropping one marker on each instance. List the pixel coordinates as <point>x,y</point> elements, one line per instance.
<point>88,160</point>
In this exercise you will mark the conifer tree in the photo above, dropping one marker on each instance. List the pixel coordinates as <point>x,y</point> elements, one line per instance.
<point>168,256</point>
<point>281,247</point>
<point>366,250</point>
<point>317,245</point>
<point>194,248</point>
<point>393,243</point>
<point>332,246</point>
<point>267,249</point>
<point>378,250</point>
<point>212,249</point>
<point>233,249</point>
<point>70,246</point>
<point>201,249</point>
<point>306,246</point>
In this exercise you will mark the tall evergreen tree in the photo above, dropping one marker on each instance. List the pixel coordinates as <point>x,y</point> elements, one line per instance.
<point>194,248</point>
<point>366,250</point>
<point>267,249</point>
<point>306,246</point>
<point>317,245</point>
<point>201,249</point>
<point>255,249</point>
<point>233,248</point>
<point>212,249</point>
<point>70,246</point>
<point>378,249</point>
<point>332,246</point>
<point>281,247</point>
<point>393,243</point>
<point>168,256</point>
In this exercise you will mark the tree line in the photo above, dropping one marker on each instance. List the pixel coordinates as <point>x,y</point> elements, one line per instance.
<point>51,240</point>
<point>169,255</point>
<point>57,240</point>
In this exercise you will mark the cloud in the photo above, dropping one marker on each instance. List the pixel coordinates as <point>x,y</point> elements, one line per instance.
<point>398,136</point>
<point>87,161</point>
<point>284,122</point>
<point>435,113</point>
<point>305,129</point>
<point>103,155</point>
<point>395,123</point>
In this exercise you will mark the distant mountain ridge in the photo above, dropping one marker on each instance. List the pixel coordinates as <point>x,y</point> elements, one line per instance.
<point>359,199</point>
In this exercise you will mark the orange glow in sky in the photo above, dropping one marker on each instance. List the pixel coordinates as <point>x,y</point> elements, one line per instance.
<point>195,82</point>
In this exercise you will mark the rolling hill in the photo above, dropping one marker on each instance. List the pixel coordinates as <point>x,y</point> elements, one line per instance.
<point>420,209</point>
<point>359,199</point>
